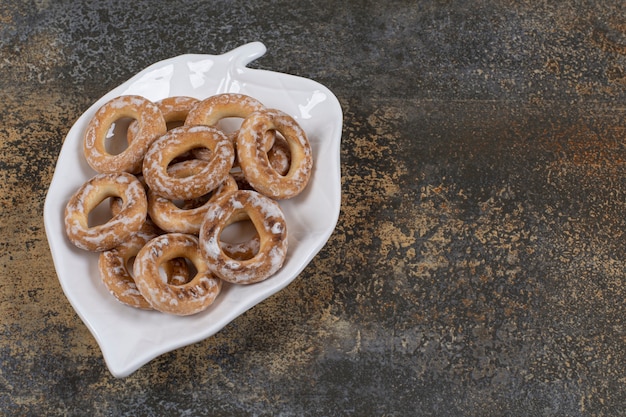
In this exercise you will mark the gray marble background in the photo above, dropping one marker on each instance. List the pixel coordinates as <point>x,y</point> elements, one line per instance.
<point>477,267</point>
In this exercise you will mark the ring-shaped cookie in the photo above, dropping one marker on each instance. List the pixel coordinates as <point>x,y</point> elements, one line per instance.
<point>151,125</point>
<point>269,221</point>
<point>172,218</point>
<point>212,109</point>
<point>253,158</point>
<point>178,141</point>
<point>190,298</point>
<point>116,230</point>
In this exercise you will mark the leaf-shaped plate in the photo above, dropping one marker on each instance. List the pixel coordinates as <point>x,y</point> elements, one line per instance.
<point>128,337</point>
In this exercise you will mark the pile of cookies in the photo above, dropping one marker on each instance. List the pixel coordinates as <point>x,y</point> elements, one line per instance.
<point>180,181</point>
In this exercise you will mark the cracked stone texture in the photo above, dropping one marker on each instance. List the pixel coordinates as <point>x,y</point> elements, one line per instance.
<point>477,267</point>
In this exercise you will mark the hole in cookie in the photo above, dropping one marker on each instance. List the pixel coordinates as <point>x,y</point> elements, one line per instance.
<point>100,214</point>
<point>120,134</point>
<point>192,271</point>
<point>279,155</point>
<point>181,204</point>
<point>203,154</point>
<point>173,124</point>
<point>240,240</point>
<point>238,232</point>
<point>189,163</point>
<point>130,263</point>
<point>177,271</point>
<point>192,204</point>
<point>229,125</point>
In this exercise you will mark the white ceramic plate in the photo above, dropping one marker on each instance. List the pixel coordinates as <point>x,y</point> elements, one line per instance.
<point>129,337</point>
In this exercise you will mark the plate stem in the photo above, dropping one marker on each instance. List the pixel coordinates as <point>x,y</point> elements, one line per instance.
<point>244,54</point>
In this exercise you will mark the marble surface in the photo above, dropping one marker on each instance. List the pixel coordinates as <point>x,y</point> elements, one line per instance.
<point>477,267</point>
